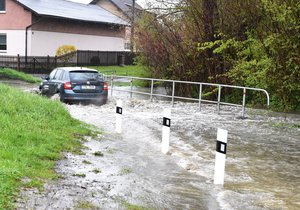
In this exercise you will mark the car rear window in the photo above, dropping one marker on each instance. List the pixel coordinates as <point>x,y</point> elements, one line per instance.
<point>84,75</point>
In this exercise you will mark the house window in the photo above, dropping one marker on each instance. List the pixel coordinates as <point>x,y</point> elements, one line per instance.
<point>2,5</point>
<point>3,43</point>
<point>127,46</point>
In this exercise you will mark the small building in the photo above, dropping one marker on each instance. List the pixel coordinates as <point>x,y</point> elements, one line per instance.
<point>39,27</point>
<point>122,9</point>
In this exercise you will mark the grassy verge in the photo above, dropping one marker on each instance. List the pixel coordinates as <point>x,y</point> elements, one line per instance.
<point>34,132</point>
<point>13,74</point>
<point>134,71</point>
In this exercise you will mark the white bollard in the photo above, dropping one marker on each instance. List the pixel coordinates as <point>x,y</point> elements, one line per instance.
<point>166,131</point>
<point>119,112</point>
<point>220,156</point>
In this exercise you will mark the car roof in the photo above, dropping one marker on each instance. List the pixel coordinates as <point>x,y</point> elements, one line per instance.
<point>76,69</point>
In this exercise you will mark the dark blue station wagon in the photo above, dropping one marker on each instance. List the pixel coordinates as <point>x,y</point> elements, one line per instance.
<point>75,84</point>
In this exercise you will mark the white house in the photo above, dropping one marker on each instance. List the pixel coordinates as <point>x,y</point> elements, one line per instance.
<point>39,27</point>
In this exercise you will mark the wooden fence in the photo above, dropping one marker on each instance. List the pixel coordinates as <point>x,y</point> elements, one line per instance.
<point>44,64</point>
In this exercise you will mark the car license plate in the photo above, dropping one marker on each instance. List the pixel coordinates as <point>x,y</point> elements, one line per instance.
<point>88,87</point>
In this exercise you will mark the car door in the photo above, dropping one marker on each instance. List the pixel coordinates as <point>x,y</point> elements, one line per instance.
<point>46,87</point>
<point>60,80</point>
<point>53,82</point>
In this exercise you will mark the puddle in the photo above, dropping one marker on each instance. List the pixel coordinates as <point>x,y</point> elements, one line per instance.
<point>25,86</point>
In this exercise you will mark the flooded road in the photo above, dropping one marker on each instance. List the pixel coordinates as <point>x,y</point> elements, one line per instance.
<point>262,168</point>
<point>262,165</point>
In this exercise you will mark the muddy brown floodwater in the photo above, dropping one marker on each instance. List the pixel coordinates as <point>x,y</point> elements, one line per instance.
<point>262,166</point>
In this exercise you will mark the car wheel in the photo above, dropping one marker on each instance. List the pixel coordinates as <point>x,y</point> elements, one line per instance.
<point>61,97</point>
<point>101,102</point>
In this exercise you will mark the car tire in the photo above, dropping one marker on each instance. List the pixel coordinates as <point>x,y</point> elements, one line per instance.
<point>102,102</point>
<point>61,98</point>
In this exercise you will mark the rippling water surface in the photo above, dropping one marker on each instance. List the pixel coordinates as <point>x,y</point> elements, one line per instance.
<point>262,165</point>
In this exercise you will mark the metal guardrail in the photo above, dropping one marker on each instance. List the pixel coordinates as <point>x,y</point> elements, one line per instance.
<point>173,96</point>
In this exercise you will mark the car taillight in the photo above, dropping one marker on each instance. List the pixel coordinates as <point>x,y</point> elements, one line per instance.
<point>105,86</point>
<point>67,86</point>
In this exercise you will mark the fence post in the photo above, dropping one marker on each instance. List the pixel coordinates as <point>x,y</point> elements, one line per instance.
<point>219,98</point>
<point>131,86</point>
<point>55,61</point>
<point>244,103</point>
<point>152,84</point>
<point>48,62</point>
<point>200,96</point>
<point>107,58</point>
<point>19,68</point>
<point>173,93</point>
<point>112,84</point>
<point>34,64</point>
<point>77,58</point>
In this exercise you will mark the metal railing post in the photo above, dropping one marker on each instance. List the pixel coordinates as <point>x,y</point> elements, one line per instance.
<point>173,93</point>
<point>200,96</point>
<point>244,102</point>
<point>131,86</point>
<point>151,94</point>
<point>112,84</point>
<point>219,98</point>
<point>268,98</point>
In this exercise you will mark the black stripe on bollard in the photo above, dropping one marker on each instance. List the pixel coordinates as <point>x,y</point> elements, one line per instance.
<point>221,147</point>
<point>167,122</point>
<point>119,110</point>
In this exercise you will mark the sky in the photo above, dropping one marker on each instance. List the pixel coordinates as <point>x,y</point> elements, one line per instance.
<point>140,2</point>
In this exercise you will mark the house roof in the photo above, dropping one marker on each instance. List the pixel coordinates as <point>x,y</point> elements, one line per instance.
<point>71,10</point>
<point>124,5</point>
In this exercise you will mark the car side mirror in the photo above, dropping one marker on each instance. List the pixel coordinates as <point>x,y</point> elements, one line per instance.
<point>46,77</point>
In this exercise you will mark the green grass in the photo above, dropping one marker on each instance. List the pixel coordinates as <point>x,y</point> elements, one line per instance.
<point>130,206</point>
<point>33,133</point>
<point>80,175</point>
<point>96,171</point>
<point>125,171</point>
<point>86,205</point>
<point>134,71</point>
<point>86,162</point>
<point>99,154</point>
<point>13,74</point>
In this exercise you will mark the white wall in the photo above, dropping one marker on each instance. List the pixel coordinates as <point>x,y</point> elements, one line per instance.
<point>15,42</point>
<point>45,43</point>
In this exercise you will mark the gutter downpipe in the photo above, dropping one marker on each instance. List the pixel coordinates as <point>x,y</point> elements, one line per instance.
<point>26,37</point>
<point>132,26</point>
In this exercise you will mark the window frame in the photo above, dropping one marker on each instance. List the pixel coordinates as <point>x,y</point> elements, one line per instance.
<point>57,74</point>
<point>52,74</point>
<point>127,45</point>
<point>3,11</point>
<point>5,50</point>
